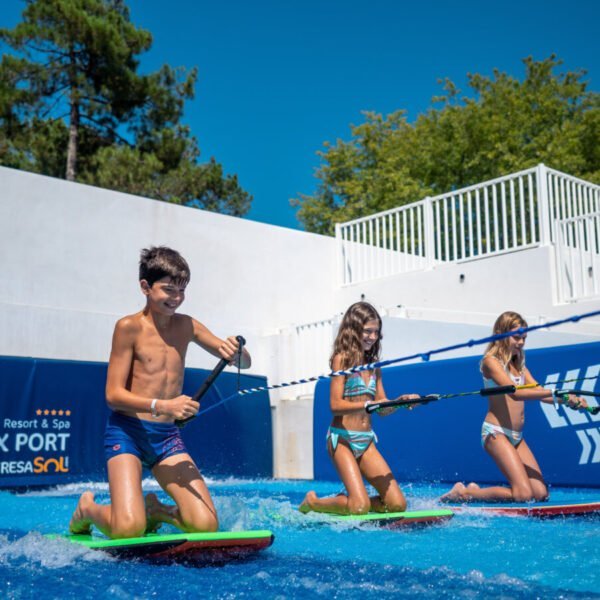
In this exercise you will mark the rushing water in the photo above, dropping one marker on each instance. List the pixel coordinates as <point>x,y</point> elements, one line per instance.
<point>471,555</point>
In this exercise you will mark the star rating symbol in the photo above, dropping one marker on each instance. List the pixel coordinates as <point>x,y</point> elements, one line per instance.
<point>54,411</point>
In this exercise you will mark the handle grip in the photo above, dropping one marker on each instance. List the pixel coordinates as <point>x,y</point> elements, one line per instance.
<point>371,408</point>
<point>502,389</point>
<point>594,410</point>
<point>209,381</point>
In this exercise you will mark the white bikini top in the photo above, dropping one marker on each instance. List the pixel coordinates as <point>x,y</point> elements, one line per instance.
<point>516,379</point>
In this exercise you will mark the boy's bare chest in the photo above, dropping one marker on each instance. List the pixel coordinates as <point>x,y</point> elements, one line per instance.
<point>155,352</point>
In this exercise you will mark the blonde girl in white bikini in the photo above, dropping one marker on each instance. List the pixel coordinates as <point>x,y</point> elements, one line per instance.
<point>502,430</point>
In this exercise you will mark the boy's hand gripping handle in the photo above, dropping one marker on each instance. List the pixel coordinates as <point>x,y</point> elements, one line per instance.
<point>209,381</point>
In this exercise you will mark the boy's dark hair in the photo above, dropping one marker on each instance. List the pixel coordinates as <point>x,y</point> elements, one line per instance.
<point>157,262</point>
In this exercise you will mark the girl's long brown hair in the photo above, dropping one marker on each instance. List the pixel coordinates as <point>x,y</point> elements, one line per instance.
<point>507,321</point>
<point>348,342</point>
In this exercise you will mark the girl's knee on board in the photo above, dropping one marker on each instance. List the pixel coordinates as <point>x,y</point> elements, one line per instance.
<point>540,491</point>
<point>523,493</point>
<point>393,498</point>
<point>396,504</point>
<point>359,505</point>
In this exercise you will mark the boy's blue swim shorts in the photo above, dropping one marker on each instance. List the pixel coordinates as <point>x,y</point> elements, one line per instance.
<point>150,442</point>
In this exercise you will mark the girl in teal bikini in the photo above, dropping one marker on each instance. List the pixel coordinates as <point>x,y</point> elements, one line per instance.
<point>350,438</point>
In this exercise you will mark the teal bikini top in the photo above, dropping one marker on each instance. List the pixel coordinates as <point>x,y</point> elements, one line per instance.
<point>355,386</point>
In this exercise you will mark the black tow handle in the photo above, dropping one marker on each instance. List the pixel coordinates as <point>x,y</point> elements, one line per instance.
<point>204,387</point>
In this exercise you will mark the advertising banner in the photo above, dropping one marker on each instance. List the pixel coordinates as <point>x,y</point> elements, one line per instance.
<point>441,441</point>
<point>53,414</point>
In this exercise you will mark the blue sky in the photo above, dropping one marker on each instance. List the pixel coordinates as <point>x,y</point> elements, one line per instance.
<point>279,78</point>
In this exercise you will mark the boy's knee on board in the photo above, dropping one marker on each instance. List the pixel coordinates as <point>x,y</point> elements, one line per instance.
<point>128,526</point>
<point>200,523</point>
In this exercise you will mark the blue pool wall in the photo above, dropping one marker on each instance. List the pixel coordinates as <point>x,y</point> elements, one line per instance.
<point>41,445</point>
<point>441,441</point>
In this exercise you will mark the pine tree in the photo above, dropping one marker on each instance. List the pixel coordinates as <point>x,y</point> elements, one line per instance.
<point>73,105</point>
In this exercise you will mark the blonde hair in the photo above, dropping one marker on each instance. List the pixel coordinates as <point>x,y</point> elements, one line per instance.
<point>507,321</point>
<point>348,342</point>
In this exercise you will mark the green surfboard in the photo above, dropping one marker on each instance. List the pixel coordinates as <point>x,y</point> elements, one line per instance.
<point>392,520</point>
<point>220,546</point>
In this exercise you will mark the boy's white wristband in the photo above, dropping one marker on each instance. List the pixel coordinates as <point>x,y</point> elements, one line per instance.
<point>153,408</point>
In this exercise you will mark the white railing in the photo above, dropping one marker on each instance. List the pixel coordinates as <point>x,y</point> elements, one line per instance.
<point>569,197</point>
<point>383,244</point>
<point>497,216</point>
<point>509,213</point>
<point>578,257</point>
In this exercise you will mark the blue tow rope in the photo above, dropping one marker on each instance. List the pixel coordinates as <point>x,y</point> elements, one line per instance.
<point>424,356</point>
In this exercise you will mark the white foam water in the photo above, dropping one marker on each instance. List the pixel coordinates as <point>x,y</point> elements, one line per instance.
<point>34,549</point>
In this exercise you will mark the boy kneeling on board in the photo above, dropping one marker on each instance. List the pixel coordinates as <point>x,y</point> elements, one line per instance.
<point>143,391</point>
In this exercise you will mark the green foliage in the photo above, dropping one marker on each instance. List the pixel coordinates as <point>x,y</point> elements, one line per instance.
<point>507,126</point>
<point>72,104</point>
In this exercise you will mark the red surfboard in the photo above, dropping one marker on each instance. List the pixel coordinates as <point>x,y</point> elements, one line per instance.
<point>544,510</point>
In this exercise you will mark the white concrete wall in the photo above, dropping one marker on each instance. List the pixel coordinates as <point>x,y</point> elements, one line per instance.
<point>520,281</point>
<point>69,269</point>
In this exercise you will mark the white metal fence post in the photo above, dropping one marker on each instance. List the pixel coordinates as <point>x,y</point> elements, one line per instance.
<point>429,230</point>
<point>544,209</point>
<point>341,278</point>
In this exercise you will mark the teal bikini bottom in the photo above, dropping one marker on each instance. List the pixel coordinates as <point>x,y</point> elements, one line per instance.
<point>358,441</point>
